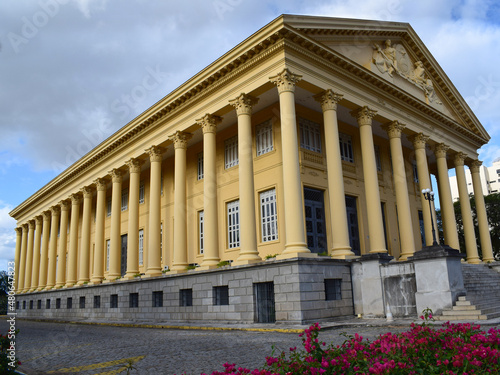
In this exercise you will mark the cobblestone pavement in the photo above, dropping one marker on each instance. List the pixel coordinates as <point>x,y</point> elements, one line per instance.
<point>57,348</point>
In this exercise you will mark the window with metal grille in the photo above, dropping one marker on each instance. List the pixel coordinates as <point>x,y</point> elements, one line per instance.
<point>415,171</point>
<point>113,301</point>
<point>378,161</point>
<point>161,183</point>
<point>17,305</point>
<point>158,298</point>
<point>133,300</point>
<point>186,297</point>
<point>107,254</point>
<point>310,135</point>
<point>268,215</point>
<point>201,230</point>
<point>97,302</point>
<point>31,305</point>
<point>58,303</point>
<point>47,304</point>
<point>231,152</point>
<point>69,303</point>
<point>39,304</point>
<point>141,192</point>
<point>200,166</point>
<point>264,138</point>
<point>333,289</point>
<point>346,153</point>
<point>24,305</point>
<point>124,199</point>
<point>220,295</point>
<point>161,242</point>
<point>141,247</point>
<point>82,302</point>
<point>233,224</point>
<point>108,207</point>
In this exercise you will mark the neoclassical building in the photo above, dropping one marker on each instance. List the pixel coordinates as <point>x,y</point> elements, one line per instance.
<point>308,144</point>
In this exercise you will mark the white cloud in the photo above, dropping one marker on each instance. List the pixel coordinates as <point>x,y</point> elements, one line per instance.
<point>7,235</point>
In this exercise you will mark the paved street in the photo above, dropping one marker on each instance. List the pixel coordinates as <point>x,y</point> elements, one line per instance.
<point>52,348</point>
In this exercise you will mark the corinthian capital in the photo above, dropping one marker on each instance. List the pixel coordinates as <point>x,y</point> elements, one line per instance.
<point>364,115</point>
<point>155,153</point>
<point>100,184</point>
<point>243,104</point>
<point>134,165</point>
<point>180,139</point>
<point>208,123</point>
<point>285,80</point>
<point>475,165</point>
<point>419,140</point>
<point>116,175</point>
<point>328,99</point>
<point>86,191</point>
<point>441,150</point>
<point>394,129</point>
<point>460,159</point>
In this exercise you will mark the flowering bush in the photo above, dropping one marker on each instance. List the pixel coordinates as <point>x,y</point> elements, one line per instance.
<point>451,349</point>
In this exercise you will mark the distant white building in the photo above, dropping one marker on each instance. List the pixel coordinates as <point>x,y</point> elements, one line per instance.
<point>490,180</point>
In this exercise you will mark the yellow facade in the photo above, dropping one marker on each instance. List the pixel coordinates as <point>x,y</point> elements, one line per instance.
<point>313,81</point>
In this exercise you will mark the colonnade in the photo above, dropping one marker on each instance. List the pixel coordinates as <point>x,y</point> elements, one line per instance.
<point>37,252</point>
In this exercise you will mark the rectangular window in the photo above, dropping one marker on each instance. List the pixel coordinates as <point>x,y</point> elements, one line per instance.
<point>158,299</point>
<point>201,229</point>
<point>124,199</point>
<point>310,135</point>
<point>97,302</point>
<point>161,242</point>
<point>17,305</point>
<point>141,192</point>
<point>108,245</point>
<point>113,301</point>
<point>346,153</point>
<point>39,304</point>
<point>220,295</point>
<point>108,207</point>
<point>58,303</point>
<point>141,247</point>
<point>186,297</point>
<point>69,303</point>
<point>31,305</point>
<point>82,302</point>
<point>47,304</point>
<point>415,171</point>
<point>231,152</point>
<point>333,291</point>
<point>377,158</point>
<point>200,166</point>
<point>268,215</point>
<point>233,224</point>
<point>264,138</point>
<point>133,300</point>
<point>161,183</point>
<point>24,305</point>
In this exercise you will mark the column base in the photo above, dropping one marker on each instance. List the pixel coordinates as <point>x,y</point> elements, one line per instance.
<point>296,255</point>
<point>474,260</point>
<point>70,284</point>
<point>243,262</point>
<point>179,271</point>
<point>82,282</point>
<point>131,275</point>
<point>97,280</point>
<point>404,257</point>
<point>153,273</point>
<point>342,253</point>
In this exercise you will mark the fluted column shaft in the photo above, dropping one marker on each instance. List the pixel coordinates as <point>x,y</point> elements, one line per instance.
<point>394,130</point>
<point>248,229</point>
<point>445,199</point>
<point>115,243</point>
<point>17,256</point>
<point>482,218</point>
<point>35,273</point>
<point>63,245</point>
<point>295,243</point>
<point>154,255</point>
<point>84,262</point>
<point>424,182</point>
<point>465,208</point>
<point>341,247</point>
<point>364,116</point>
<point>73,240</point>
<point>98,274</point>
<point>211,245</point>
<point>44,256</point>
<point>134,166</point>
<point>24,250</point>
<point>54,226</point>
<point>29,256</point>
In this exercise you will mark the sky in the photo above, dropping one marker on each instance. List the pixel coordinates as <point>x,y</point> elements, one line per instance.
<point>72,72</point>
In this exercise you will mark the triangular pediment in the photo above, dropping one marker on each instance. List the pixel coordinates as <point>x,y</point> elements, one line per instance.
<point>394,53</point>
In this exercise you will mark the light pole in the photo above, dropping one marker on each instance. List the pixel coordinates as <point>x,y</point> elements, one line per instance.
<point>429,196</point>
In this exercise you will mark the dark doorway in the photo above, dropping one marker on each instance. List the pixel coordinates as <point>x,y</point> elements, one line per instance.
<point>352,223</point>
<point>315,220</point>
<point>264,302</point>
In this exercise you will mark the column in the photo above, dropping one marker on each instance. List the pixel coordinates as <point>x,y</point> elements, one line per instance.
<point>295,235</point>
<point>482,218</point>
<point>35,273</point>
<point>154,256</point>
<point>115,242</point>
<point>248,229</point>
<point>83,263</point>
<point>419,140</point>
<point>17,256</point>
<point>100,218</point>
<point>63,245</point>
<point>29,256</point>
<point>445,199</point>
<point>406,238</point>
<point>465,209</point>
<point>73,239</point>
<point>44,256</point>
<point>341,247</point>
<point>364,116</point>
<point>22,266</point>
<point>134,166</point>
<point>211,246</point>
<point>54,226</point>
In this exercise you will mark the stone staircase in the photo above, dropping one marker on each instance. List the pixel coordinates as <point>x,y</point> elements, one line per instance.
<point>482,300</point>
